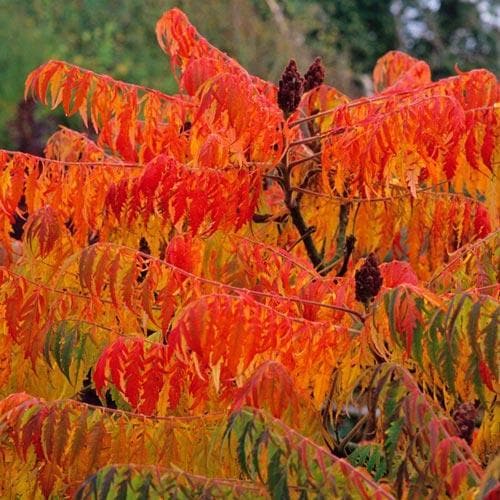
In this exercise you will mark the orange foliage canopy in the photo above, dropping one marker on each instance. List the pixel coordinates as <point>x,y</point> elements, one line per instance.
<point>193,269</point>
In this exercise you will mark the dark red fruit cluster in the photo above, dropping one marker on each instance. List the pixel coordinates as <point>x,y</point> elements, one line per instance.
<point>292,85</point>
<point>465,416</point>
<point>315,75</point>
<point>291,88</point>
<point>368,280</point>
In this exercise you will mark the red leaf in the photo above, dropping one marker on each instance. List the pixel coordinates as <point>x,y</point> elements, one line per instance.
<point>99,375</point>
<point>124,141</point>
<point>182,253</point>
<point>488,145</point>
<point>471,143</point>
<point>80,101</point>
<point>197,72</point>
<point>399,71</point>
<point>407,316</point>
<point>486,375</point>
<point>134,368</point>
<point>44,228</point>
<point>214,151</point>
<point>482,224</point>
<point>67,90</point>
<point>459,473</point>
<point>138,372</point>
<point>396,273</point>
<point>493,494</point>
<point>44,79</point>
<point>270,387</point>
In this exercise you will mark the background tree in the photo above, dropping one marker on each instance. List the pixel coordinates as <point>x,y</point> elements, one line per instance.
<point>450,32</point>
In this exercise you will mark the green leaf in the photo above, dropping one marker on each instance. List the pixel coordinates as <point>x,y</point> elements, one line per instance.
<point>473,325</point>
<point>376,463</point>
<point>68,342</point>
<point>392,403</point>
<point>277,476</point>
<point>390,302</point>
<point>88,489</point>
<point>65,344</point>
<point>121,493</point>
<point>230,427</point>
<point>369,456</point>
<point>417,343</point>
<point>474,374</point>
<point>263,438</point>
<point>447,363</point>
<point>107,481</point>
<point>143,492</point>
<point>241,448</point>
<point>452,315</point>
<point>448,351</point>
<point>433,343</point>
<point>475,358</point>
<point>392,434</point>
<point>490,342</point>
<point>56,344</point>
<point>360,455</point>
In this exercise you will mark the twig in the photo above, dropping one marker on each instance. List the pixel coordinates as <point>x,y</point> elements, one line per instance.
<point>352,433</point>
<point>310,230</point>
<point>313,138</point>
<point>303,160</point>
<point>262,218</point>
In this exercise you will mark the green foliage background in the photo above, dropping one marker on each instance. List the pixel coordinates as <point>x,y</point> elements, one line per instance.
<point>117,37</point>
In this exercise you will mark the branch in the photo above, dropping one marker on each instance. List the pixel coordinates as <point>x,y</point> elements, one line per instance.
<point>348,249</point>
<point>305,233</point>
<point>293,207</point>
